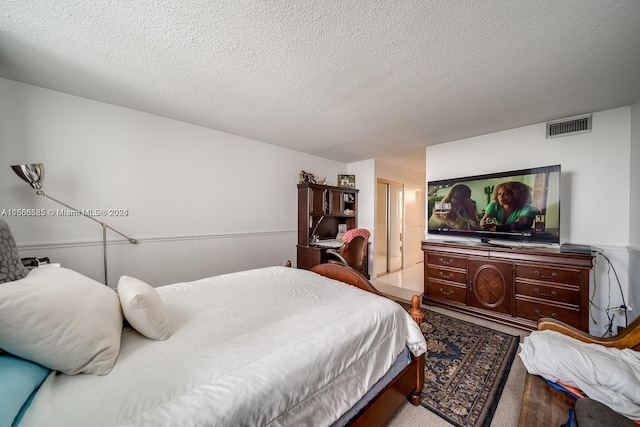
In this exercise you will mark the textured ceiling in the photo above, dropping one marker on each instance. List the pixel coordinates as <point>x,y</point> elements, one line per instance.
<point>345,80</point>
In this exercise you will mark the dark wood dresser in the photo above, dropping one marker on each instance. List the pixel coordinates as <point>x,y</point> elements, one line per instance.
<point>511,286</point>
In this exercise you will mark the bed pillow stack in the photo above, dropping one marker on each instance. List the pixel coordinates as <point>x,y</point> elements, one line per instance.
<point>71,323</point>
<point>61,319</point>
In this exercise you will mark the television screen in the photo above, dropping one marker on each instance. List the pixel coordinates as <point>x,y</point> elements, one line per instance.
<point>521,205</point>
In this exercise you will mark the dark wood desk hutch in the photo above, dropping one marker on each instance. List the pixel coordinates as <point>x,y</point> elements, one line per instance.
<point>321,208</point>
<point>511,286</point>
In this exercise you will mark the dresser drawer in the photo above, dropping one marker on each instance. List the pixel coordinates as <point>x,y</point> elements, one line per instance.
<point>444,274</point>
<point>449,292</point>
<point>535,310</point>
<point>549,292</point>
<point>447,260</point>
<point>548,274</point>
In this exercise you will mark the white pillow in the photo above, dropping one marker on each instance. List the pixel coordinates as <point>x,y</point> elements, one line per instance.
<point>606,374</point>
<point>62,320</point>
<point>143,308</point>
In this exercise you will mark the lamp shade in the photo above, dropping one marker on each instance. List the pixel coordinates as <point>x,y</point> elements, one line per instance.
<point>33,174</point>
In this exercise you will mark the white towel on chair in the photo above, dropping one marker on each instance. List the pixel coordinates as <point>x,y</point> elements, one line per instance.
<point>608,375</point>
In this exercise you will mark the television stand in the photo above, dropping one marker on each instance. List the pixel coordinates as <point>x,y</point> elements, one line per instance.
<point>512,285</point>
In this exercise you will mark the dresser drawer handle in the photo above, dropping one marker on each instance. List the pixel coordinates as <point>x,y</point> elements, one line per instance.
<point>445,293</point>
<point>445,262</point>
<point>448,276</point>
<point>553,315</point>
<point>542,294</point>
<point>553,275</point>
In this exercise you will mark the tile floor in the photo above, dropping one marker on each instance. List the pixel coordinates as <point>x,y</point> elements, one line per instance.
<point>403,283</point>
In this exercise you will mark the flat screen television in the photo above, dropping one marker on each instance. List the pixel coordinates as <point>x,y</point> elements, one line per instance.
<point>520,205</point>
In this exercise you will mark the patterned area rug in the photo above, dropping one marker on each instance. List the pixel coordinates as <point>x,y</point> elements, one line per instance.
<point>466,367</point>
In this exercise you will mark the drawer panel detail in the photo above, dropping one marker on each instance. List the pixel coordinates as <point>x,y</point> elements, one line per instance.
<point>549,292</point>
<point>450,275</point>
<point>449,292</point>
<point>446,260</point>
<point>534,310</point>
<point>547,273</point>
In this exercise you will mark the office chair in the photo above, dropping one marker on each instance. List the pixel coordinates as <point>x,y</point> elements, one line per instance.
<point>352,252</point>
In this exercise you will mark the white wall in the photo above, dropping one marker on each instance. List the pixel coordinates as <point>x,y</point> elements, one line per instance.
<point>365,182</point>
<point>201,202</point>
<point>596,185</point>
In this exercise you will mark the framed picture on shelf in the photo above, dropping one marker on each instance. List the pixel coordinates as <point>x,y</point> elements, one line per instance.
<point>347,181</point>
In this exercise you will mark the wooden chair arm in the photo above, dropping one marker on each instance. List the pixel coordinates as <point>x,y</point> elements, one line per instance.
<point>337,256</point>
<point>629,337</point>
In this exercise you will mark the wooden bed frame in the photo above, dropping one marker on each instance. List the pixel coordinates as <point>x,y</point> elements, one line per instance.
<point>542,405</point>
<point>407,385</point>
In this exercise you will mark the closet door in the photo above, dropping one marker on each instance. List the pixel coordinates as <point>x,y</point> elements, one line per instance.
<point>396,223</point>
<point>389,227</point>
<point>381,263</point>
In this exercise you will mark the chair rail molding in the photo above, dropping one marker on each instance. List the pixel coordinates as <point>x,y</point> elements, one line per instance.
<point>154,239</point>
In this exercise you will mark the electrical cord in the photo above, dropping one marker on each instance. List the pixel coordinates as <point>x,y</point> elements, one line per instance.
<point>593,294</point>
<point>609,312</point>
<point>624,303</point>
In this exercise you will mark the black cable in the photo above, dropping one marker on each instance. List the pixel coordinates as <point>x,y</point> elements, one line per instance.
<point>609,329</point>
<point>624,303</point>
<point>610,265</point>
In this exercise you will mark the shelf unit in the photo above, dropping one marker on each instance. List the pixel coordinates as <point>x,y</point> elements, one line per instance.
<point>321,209</point>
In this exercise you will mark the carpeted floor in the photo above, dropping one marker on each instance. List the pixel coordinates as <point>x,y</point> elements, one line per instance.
<point>466,368</point>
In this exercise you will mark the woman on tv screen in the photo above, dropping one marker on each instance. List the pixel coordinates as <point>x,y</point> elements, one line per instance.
<point>511,208</point>
<point>456,210</point>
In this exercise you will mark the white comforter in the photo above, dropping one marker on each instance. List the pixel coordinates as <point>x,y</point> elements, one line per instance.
<point>608,375</point>
<point>273,346</point>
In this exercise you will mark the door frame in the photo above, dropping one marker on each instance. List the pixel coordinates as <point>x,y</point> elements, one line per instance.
<point>386,231</point>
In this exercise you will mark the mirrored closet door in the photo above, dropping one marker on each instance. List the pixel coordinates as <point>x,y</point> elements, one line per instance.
<point>389,226</point>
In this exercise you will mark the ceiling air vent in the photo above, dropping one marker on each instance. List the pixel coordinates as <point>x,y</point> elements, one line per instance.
<point>570,126</point>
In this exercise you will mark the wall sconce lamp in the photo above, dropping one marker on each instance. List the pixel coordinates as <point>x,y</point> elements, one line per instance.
<point>33,174</point>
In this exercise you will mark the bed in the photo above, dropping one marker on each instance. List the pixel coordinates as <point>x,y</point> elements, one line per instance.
<point>272,346</point>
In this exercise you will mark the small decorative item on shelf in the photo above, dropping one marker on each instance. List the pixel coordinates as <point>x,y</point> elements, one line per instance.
<point>306,177</point>
<point>323,181</point>
<point>347,181</point>
<point>348,211</point>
